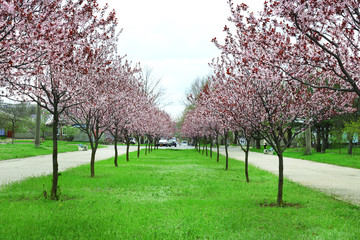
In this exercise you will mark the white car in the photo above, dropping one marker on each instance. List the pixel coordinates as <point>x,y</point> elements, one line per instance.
<point>184,143</point>
<point>132,141</point>
<point>171,142</point>
<point>162,142</point>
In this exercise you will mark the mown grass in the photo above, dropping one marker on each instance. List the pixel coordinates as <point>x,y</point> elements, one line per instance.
<point>171,194</point>
<point>331,156</point>
<point>22,149</point>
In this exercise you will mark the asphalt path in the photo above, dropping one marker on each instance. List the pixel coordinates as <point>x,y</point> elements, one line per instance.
<point>18,169</point>
<point>341,182</point>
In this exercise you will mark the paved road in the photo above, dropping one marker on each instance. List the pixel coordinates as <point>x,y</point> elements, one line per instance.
<point>342,182</point>
<point>17,169</point>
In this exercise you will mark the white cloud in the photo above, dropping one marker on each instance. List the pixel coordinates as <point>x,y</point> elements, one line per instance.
<point>173,37</point>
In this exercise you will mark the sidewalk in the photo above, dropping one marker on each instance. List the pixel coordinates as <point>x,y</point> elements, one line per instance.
<point>17,169</point>
<point>341,182</point>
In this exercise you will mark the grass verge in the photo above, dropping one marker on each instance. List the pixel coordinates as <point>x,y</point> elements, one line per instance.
<point>22,149</point>
<point>171,194</point>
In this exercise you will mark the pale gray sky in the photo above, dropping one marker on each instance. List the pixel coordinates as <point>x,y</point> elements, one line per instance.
<point>173,38</point>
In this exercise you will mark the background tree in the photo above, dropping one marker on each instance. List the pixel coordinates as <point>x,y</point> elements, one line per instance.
<point>15,116</point>
<point>352,131</point>
<point>152,87</point>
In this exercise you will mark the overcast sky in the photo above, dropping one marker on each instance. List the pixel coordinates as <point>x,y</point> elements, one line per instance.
<point>173,37</point>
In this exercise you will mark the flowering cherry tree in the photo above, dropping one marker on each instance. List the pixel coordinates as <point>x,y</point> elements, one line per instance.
<point>324,46</point>
<point>24,25</point>
<point>60,46</point>
<point>272,102</point>
<point>91,116</point>
<point>124,91</point>
<point>235,109</point>
<point>213,117</point>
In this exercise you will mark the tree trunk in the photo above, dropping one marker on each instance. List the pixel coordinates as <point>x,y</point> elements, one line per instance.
<point>339,148</point>
<point>138,151</point>
<point>217,148</point>
<point>327,131</point>
<point>37,127</point>
<point>54,187</point>
<point>281,180</point>
<point>323,145</point>
<point>211,146</point>
<point>236,136</point>
<point>92,161</point>
<point>289,136</point>
<point>226,152</point>
<point>247,162</point>
<point>318,139</point>
<point>116,152</point>
<point>257,142</point>
<point>60,133</point>
<point>127,149</point>
<point>206,149</point>
<point>308,141</point>
<point>350,146</point>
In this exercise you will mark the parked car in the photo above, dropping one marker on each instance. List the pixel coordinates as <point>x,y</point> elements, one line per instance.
<point>184,143</point>
<point>171,142</point>
<point>162,142</point>
<point>132,141</point>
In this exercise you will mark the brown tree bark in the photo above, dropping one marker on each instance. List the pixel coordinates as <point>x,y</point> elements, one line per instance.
<point>116,152</point>
<point>54,187</point>
<point>257,142</point>
<point>350,148</point>
<point>217,148</point>
<point>289,136</point>
<point>138,150</point>
<point>127,149</point>
<point>226,151</point>
<point>323,140</point>
<point>247,162</point>
<point>318,139</point>
<point>281,180</point>
<point>92,162</point>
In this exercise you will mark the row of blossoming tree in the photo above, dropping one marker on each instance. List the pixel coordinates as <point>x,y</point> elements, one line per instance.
<point>292,64</point>
<point>63,56</point>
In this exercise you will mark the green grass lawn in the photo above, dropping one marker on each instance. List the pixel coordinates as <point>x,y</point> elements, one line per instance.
<point>171,194</point>
<point>331,156</point>
<point>23,148</point>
